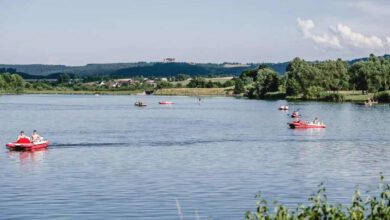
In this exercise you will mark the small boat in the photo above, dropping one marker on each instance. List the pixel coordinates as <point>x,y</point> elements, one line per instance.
<point>24,144</point>
<point>283,107</point>
<point>371,103</point>
<point>303,124</point>
<point>140,104</point>
<point>166,103</point>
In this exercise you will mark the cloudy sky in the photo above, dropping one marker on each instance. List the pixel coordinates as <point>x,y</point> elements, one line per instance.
<point>77,32</point>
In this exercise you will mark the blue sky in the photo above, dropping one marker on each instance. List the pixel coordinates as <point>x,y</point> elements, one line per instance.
<point>77,32</point>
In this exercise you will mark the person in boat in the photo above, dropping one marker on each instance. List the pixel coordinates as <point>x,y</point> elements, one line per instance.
<point>369,101</point>
<point>22,135</point>
<point>315,121</point>
<point>35,137</point>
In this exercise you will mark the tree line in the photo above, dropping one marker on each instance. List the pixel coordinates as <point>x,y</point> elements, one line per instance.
<point>310,79</point>
<point>11,82</point>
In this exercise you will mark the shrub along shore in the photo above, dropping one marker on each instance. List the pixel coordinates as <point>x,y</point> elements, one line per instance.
<point>374,207</point>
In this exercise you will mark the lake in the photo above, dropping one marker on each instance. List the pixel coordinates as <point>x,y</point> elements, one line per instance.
<point>111,160</point>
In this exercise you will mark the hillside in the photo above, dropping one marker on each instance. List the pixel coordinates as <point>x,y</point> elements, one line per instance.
<point>157,69</point>
<point>138,69</point>
<point>87,70</point>
<point>127,69</point>
<point>172,69</point>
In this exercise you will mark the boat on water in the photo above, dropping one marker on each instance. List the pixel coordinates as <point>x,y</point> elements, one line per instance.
<point>166,103</point>
<point>369,102</point>
<point>303,124</point>
<point>24,144</point>
<point>283,107</point>
<point>140,104</point>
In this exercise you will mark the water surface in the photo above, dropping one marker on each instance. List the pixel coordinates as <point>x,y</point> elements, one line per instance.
<point>111,160</point>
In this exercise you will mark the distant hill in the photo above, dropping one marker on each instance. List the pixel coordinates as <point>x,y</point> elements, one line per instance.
<point>162,69</point>
<point>156,69</point>
<point>89,69</point>
<point>386,56</point>
<point>173,69</point>
<point>28,76</point>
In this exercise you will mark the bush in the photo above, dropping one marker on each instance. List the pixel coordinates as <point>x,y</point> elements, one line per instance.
<point>197,82</point>
<point>375,207</point>
<point>382,96</point>
<point>333,97</point>
<point>239,86</point>
<point>313,92</point>
<point>164,85</point>
<point>228,83</point>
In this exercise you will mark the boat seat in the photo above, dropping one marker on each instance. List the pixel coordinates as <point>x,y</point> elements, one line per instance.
<point>24,140</point>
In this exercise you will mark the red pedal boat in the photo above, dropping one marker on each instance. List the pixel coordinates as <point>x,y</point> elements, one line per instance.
<point>166,103</point>
<point>24,144</point>
<point>302,124</point>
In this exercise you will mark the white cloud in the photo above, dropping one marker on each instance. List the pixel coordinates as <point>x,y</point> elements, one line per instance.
<point>325,39</point>
<point>357,39</point>
<point>341,36</point>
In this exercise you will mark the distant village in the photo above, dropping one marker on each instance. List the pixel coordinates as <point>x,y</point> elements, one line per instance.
<point>117,83</point>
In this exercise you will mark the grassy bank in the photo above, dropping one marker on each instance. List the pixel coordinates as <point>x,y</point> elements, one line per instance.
<point>345,96</point>
<point>356,96</point>
<point>348,96</point>
<point>195,91</point>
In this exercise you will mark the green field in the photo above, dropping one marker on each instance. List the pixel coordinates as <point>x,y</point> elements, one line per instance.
<point>195,91</point>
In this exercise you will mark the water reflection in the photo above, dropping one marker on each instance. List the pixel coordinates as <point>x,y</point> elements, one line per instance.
<point>28,157</point>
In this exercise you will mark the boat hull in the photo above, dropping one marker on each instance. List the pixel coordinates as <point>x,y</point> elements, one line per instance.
<point>299,125</point>
<point>27,146</point>
<point>166,103</point>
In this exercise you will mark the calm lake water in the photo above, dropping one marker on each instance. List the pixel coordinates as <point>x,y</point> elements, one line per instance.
<point>112,160</point>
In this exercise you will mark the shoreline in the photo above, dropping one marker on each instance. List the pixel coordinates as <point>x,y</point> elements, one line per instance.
<point>350,96</point>
<point>71,92</point>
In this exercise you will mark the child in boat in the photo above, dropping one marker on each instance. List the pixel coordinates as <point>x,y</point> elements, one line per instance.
<point>35,137</point>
